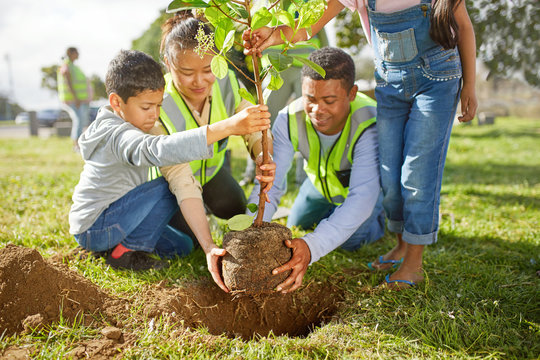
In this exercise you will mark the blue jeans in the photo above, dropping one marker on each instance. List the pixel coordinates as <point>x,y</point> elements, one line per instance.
<point>81,121</point>
<point>416,105</point>
<point>310,207</point>
<point>138,220</point>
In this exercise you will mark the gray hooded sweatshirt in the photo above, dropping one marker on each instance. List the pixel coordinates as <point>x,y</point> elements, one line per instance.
<point>117,157</point>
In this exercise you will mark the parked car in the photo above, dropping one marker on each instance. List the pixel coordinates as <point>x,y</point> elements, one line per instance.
<point>50,116</point>
<point>46,118</point>
<point>22,118</point>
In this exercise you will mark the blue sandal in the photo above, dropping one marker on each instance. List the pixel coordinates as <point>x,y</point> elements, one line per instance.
<point>394,263</point>
<point>388,281</point>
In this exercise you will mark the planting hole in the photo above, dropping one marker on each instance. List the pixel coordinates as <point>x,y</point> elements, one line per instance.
<point>205,305</point>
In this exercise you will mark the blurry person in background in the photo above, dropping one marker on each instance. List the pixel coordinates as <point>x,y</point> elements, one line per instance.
<point>74,91</point>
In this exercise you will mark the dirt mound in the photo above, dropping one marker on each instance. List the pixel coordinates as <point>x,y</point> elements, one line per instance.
<point>33,292</point>
<point>252,254</point>
<point>203,304</point>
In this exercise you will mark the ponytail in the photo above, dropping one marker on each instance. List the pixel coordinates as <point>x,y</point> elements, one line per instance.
<point>444,29</point>
<point>179,32</point>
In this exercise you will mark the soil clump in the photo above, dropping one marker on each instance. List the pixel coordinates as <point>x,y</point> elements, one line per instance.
<point>252,254</point>
<point>34,292</point>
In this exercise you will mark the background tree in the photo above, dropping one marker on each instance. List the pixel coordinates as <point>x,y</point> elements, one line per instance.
<point>508,36</point>
<point>8,109</point>
<point>149,41</point>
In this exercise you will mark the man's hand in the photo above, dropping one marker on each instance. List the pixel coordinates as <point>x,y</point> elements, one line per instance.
<point>256,41</point>
<point>298,264</point>
<point>213,258</point>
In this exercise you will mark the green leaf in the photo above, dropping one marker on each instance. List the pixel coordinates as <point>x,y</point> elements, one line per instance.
<point>279,61</point>
<point>310,13</point>
<point>240,222</point>
<point>261,18</point>
<point>219,66</point>
<point>237,11</point>
<point>311,64</point>
<point>276,81</point>
<point>247,96</point>
<point>284,38</point>
<point>229,41</point>
<point>178,5</point>
<point>285,18</point>
<point>252,207</point>
<point>224,40</point>
<point>214,15</point>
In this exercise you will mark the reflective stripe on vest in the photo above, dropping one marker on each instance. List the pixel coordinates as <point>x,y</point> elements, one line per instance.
<point>176,116</point>
<point>78,81</point>
<point>331,173</point>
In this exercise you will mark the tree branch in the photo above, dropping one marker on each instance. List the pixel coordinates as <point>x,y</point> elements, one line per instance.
<point>240,70</point>
<point>274,4</point>
<point>227,15</point>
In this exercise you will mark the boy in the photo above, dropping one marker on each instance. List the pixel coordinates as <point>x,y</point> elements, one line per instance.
<point>114,207</point>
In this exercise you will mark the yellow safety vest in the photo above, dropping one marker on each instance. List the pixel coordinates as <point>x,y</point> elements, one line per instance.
<point>78,81</point>
<point>176,116</point>
<point>331,173</point>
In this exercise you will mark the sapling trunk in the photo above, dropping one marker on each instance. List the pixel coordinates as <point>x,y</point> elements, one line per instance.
<point>260,100</point>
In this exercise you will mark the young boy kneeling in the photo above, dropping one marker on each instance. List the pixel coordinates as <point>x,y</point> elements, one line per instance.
<point>114,207</point>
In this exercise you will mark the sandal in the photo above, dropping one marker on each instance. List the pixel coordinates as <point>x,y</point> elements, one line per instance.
<point>388,281</point>
<point>394,263</point>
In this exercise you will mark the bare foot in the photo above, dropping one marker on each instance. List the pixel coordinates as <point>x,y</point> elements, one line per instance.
<point>392,258</point>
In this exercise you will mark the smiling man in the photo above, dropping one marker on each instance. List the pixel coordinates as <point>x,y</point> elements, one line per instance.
<point>333,126</point>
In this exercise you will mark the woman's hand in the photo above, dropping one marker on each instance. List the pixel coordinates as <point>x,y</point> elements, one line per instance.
<point>265,173</point>
<point>213,259</point>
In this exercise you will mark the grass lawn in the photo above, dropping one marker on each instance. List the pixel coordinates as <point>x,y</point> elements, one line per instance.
<point>480,300</point>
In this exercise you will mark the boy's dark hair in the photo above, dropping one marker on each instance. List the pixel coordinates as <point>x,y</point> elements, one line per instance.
<point>132,72</point>
<point>337,63</point>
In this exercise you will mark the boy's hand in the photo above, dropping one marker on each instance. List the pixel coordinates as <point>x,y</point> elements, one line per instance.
<point>265,173</point>
<point>252,119</point>
<point>213,259</point>
<point>256,41</point>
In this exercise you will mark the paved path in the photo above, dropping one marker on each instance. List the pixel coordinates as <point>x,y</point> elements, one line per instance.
<point>18,131</point>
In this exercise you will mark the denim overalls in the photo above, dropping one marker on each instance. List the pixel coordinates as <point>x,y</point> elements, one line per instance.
<point>418,87</point>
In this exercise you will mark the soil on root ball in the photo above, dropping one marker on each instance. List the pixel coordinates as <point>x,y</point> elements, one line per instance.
<point>252,254</point>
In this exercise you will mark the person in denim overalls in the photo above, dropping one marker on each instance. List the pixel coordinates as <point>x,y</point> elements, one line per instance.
<point>418,88</point>
<point>418,71</point>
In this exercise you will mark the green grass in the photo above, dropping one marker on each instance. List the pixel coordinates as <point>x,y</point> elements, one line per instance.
<point>481,298</point>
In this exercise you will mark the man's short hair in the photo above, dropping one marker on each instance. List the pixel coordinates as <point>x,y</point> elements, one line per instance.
<point>71,50</point>
<point>132,72</point>
<point>337,63</point>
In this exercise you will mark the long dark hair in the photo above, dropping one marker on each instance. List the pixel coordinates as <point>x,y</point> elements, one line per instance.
<point>179,32</point>
<point>444,29</point>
